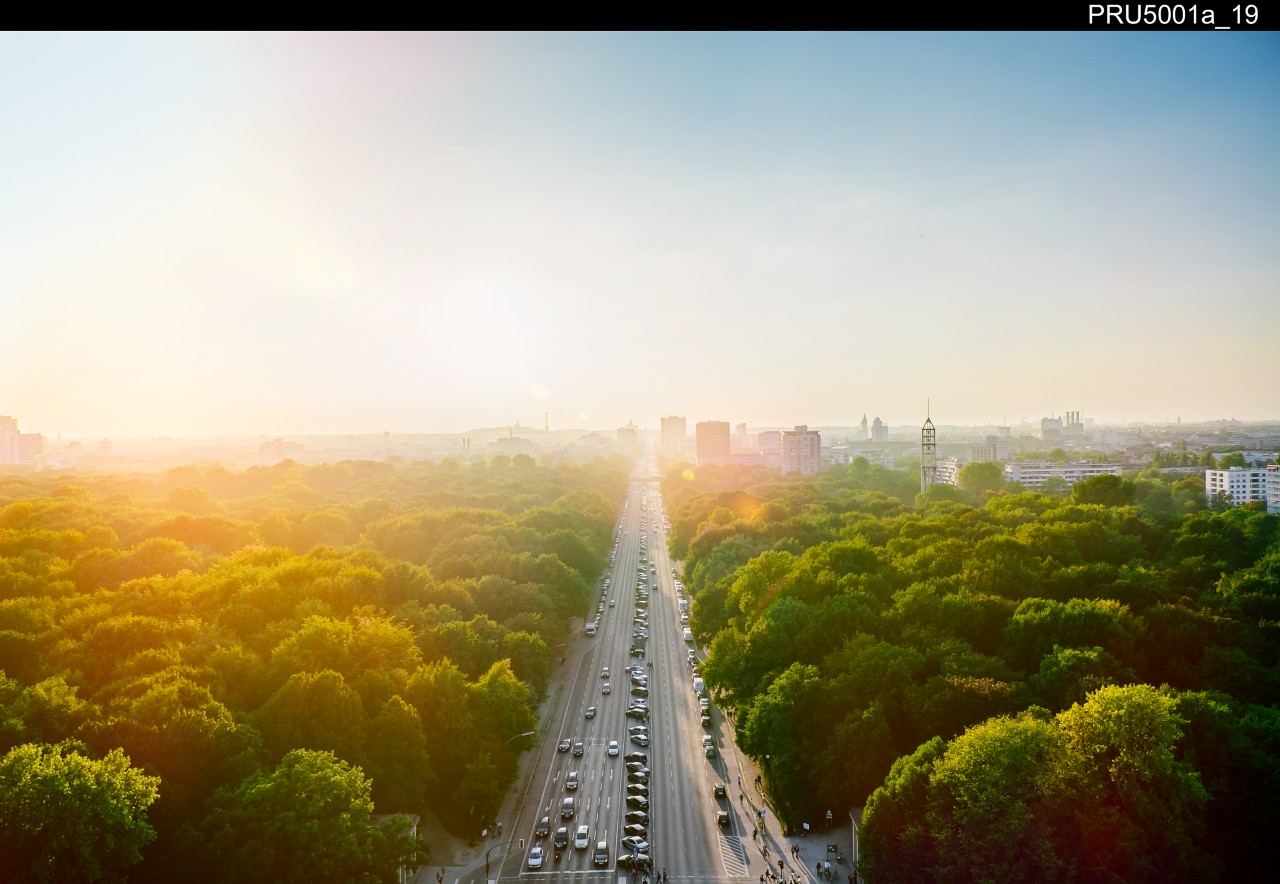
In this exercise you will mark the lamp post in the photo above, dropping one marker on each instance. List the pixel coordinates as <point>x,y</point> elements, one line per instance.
<point>518,736</point>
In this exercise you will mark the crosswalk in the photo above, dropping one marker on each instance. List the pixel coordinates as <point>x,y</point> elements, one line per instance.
<point>733,856</point>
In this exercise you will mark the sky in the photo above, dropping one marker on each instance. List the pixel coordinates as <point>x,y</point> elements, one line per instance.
<point>299,233</point>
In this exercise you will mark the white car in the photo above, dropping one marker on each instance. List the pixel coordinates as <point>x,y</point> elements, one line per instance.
<point>604,688</point>
<point>535,858</point>
<point>613,747</point>
<point>582,840</point>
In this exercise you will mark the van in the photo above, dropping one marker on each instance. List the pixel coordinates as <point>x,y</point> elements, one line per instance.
<point>567,809</point>
<point>699,686</point>
<point>688,634</point>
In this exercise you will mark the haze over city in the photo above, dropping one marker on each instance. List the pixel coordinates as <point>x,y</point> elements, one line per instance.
<point>301,233</point>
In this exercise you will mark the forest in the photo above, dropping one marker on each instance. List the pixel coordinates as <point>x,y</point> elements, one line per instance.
<point>215,675</point>
<point>1073,686</point>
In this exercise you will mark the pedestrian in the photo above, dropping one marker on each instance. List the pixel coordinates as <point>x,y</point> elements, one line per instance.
<point>499,827</point>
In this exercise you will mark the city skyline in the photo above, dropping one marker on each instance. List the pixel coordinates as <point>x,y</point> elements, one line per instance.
<point>328,233</point>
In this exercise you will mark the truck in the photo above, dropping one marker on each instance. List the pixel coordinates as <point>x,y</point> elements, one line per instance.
<point>699,686</point>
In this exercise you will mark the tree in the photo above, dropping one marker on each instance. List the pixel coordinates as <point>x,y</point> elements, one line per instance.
<point>314,711</point>
<point>1233,459</point>
<point>1104,490</point>
<point>306,820</point>
<point>981,477</point>
<point>1138,810</point>
<point>1055,486</point>
<point>897,843</point>
<point>398,763</point>
<point>66,817</point>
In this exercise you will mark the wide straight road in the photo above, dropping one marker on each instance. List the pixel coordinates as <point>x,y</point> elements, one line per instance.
<point>685,838</point>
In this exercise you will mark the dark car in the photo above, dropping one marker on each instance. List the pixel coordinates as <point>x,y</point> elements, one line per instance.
<point>722,817</point>
<point>634,860</point>
<point>638,816</point>
<point>639,802</point>
<point>564,745</point>
<point>543,828</point>
<point>561,840</point>
<point>635,829</point>
<point>718,790</point>
<point>578,748</point>
<point>633,757</point>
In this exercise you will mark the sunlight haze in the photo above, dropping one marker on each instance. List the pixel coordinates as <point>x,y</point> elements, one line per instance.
<point>431,232</point>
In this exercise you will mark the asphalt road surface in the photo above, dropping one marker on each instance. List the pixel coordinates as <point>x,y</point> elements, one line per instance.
<point>684,836</point>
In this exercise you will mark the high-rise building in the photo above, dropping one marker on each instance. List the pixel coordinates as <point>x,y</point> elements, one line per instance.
<point>863,427</point>
<point>879,431</point>
<point>673,436</point>
<point>712,442</point>
<point>801,451</point>
<point>770,442</point>
<point>629,437</point>
<point>18,449</point>
<point>739,441</point>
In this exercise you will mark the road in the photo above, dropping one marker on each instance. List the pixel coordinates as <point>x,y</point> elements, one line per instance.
<point>683,833</point>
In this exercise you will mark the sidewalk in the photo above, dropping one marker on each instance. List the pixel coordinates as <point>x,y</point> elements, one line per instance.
<point>809,849</point>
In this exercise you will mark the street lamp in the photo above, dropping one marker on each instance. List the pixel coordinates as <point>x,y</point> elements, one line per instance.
<point>518,736</point>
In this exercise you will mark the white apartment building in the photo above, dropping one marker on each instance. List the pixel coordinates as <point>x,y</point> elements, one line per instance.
<point>1033,473</point>
<point>801,451</point>
<point>1243,486</point>
<point>949,471</point>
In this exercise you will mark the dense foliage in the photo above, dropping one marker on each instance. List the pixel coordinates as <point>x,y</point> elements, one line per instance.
<point>1089,678</point>
<point>249,665</point>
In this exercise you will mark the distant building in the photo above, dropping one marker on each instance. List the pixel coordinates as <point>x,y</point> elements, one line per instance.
<point>629,437</point>
<point>673,436</point>
<point>276,450</point>
<point>1243,486</point>
<point>712,442</point>
<point>770,442</point>
<point>1031,474</point>
<point>879,431</point>
<point>995,448</point>
<point>740,442</point>
<point>18,449</point>
<point>864,435</point>
<point>1051,429</point>
<point>801,451</point>
<point>948,471</point>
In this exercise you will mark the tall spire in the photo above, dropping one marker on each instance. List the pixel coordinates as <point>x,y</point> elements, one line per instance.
<point>928,451</point>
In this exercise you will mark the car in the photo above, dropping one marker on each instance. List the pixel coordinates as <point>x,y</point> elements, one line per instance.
<point>635,829</point>
<point>638,691</point>
<point>578,748</point>
<point>638,729</point>
<point>640,739</point>
<point>635,843</point>
<point>564,746</point>
<point>637,789</point>
<point>604,688</point>
<point>535,858</point>
<point>632,757</point>
<point>639,802</point>
<point>591,712</point>
<point>706,719</point>
<point>604,673</point>
<point>543,828</point>
<point>638,816</point>
<point>718,790</point>
<point>582,838</point>
<point>613,603</point>
<point>722,817</point>
<point>571,781</point>
<point>704,703</point>
<point>613,747</point>
<point>708,746</point>
<point>636,776</point>
<point>637,766</point>
<point>561,840</point>
<point>637,713</point>
<point>636,860</point>
<point>600,856</point>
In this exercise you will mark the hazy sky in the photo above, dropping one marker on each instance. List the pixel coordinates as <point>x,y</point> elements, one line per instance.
<point>315,233</point>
